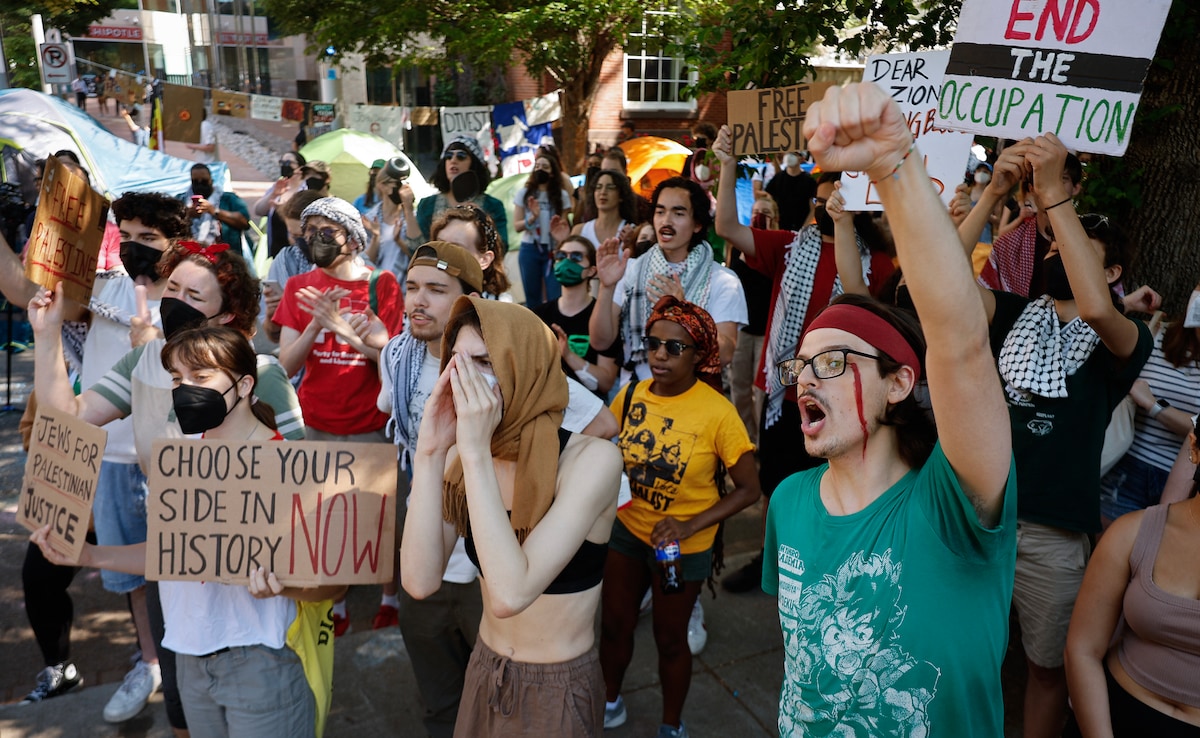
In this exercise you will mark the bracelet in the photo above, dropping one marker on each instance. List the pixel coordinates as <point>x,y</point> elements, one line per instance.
<point>1061,202</point>
<point>895,173</point>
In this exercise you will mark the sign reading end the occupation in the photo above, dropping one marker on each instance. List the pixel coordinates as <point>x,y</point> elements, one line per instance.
<point>312,513</point>
<point>61,471</point>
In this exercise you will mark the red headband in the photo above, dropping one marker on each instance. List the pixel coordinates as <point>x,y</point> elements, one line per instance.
<point>208,252</point>
<point>871,328</point>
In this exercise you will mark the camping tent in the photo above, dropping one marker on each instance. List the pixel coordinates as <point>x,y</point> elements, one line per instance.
<point>349,154</point>
<point>34,125</point>
<point>651,160</point>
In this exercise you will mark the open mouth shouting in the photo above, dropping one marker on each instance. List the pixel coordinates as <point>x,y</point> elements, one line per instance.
<point>666,234</point>
<point>812,415</point>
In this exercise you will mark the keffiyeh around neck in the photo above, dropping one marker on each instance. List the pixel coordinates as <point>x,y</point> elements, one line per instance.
<point>697,279</point>
<point>526,361</point>
<point>1038,355</point>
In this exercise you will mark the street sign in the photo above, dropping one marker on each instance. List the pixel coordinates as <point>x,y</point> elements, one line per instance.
<point>56,63</point>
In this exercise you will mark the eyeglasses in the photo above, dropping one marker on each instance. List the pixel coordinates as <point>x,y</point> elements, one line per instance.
<point>674,348</point>
<point>456,155</point>
<point>328,233</point>
<point>825,365</point>
<point>574,256</point>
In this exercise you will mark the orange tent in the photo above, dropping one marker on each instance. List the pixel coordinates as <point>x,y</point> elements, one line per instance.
<point>651,160</point>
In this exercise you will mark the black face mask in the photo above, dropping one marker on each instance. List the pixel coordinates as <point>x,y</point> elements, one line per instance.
<point>541,177</point>
<point>203,189</point>
<point>140,260</point>
<point>1054,277</point>
<point>177,315</point>
<point>394,195</point>
<point>465,186</point>
<point>324,252</point>
<point>286,170</point>
<point>315,183</point>
<point>700,142</point>
<point>591,173</point>
<point>824,222</point>
<point>305,248</point>
<point>904,299</point>
<point>200,409</point>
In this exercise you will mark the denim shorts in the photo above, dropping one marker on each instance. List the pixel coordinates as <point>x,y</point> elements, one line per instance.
<point>119,513</point>
<point>1130,485</point>
<point>696,567</point>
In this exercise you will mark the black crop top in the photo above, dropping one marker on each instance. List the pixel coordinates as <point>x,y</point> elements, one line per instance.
<point>585,569</point>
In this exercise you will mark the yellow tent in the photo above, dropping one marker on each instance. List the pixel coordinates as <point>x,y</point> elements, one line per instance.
<point>651,160</point>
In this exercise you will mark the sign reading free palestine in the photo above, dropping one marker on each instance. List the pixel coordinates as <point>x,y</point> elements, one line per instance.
<point>1074,68</point>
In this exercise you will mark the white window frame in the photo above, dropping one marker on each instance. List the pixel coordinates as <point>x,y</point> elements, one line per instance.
<point>649,31</point>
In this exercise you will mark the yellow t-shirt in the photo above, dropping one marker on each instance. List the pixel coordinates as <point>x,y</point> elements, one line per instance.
<point>311,637</point>
<point>671,446</point>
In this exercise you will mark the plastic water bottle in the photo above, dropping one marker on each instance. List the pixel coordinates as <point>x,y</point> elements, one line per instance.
<point>671,564</point>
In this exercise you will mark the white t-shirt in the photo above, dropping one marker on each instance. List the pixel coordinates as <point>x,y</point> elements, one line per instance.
<point>202,617</point>
<point>208,135</point>
<point>726,301</point>
<point>540,233</point>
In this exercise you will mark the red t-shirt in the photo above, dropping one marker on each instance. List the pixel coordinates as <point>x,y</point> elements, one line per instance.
<point>340,385</point>
<point>771,249</point>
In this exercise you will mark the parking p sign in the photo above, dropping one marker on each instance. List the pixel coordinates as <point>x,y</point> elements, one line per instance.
<point>56,63</point>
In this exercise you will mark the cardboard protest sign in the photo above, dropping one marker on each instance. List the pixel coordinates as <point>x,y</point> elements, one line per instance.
<point>769,121</point>
<point>61,472</point>
<point>234,104</point>
<point>313,513</point>
<point>475,122</point>
<point>1071,67</point>
<point>67,233</point>
<point>914,81</point>
<point>265,107</point>
<point>181,111</point>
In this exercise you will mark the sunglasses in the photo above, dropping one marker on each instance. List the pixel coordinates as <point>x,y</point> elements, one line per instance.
<point>674,348</point>
<point>456,155</point>
<point>574,256</point>
<point>1094,225</point>
<point>328,233</point>
<point>825,365</point>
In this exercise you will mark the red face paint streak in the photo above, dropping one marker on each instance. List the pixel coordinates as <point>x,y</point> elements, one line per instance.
<point>858,399</point>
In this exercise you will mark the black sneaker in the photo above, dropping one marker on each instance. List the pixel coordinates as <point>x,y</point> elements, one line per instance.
<point>745,579</point>
<point>52,682</point>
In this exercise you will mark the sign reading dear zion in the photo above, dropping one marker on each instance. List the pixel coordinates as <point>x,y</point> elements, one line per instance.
<point>1071,67</point>
<point>313,513</point>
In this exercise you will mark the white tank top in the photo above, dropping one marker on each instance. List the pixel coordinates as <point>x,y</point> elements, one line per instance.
<point>589,231</point>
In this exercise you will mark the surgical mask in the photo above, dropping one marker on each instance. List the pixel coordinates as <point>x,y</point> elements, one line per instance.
<point>323,251</point>
<point>315,183</point>
<point>177,315</point>
<point>140,260</point>
<point>982,177</point>
<point>1054,276</point>
<point>790,161</point>
<point>541,177</point>
<point>759,221</point>
<point>203,189</point>
<point>200,409</point>
<point>568,273</point>
<point>286,170</point>
<point>1191,319</point>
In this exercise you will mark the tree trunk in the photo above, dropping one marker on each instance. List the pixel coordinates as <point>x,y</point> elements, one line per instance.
<point>576,105</point>
<point>1164,158</point>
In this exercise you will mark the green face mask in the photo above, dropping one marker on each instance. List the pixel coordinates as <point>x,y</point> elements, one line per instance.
<point>579,345</point>
<point>568,273</point>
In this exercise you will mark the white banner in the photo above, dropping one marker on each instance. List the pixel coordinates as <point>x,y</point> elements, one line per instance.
<point>386,121</point>
<point>265,107</point>
<point>473,121</point>
<point>914,81</point>
<point>1028,67</point>
<point>544,109</point>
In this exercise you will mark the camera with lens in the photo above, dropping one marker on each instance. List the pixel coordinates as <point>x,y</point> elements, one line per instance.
<point>397,168</point>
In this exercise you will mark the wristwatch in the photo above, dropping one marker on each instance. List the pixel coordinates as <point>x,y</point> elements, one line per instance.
<point>1159,406</point>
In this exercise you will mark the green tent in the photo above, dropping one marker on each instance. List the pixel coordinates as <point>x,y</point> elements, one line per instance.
<point>349,154</point>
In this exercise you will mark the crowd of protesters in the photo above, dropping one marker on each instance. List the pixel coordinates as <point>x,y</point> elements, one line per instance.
<point>926,436</point>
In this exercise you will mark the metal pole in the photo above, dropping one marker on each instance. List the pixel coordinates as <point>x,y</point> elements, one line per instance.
<point>39,38</point>
<point>257,76</point>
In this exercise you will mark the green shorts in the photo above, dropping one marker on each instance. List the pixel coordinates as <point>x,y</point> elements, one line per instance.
<point>696,566</point>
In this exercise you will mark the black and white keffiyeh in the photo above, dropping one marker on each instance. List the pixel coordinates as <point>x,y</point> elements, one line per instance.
<point>696,279</point>
<point>1038,355</point>
<point>791,307</point>
<point>402,358</point>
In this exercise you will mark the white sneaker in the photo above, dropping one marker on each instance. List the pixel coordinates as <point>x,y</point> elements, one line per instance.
<point>697,635</point>
<point>615,716</point>
<point>129,699</point>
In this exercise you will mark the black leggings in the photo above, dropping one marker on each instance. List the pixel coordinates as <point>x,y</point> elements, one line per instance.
<point>47,604</point>
<point>166,660</point>
<point>1134,718</point>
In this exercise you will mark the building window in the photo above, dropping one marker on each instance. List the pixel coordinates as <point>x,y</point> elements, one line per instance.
<point>653,80</point>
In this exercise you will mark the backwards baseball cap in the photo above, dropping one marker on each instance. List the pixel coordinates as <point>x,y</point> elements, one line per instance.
<point>451,259</point>
<point>379,164</point>
<point>470,143</point>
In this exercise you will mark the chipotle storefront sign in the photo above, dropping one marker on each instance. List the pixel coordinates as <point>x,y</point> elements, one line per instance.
<point>115,33</point>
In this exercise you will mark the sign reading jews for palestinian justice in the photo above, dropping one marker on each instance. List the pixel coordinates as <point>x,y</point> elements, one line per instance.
<point>1074,68</point>
<point>914,81</point>
<point>67,232</point>
<point>313,513</point>
<point>61,471</point>
<point>769,121</point>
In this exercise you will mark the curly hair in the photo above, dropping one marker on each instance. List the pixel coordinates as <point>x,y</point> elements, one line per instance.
<point>495,279</point>
<point>240,290</point>
<point>155,210</point>
<point>915,429</point>
<point>627,203</point>
<point>701,213</point>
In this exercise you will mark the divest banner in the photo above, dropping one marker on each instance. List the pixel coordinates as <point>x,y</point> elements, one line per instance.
<point>1074,68</point>
<point>313,513</point>
<point>475,122</point>
<point>61,472</point>
<point>67,233</point>
<point>914,81</point>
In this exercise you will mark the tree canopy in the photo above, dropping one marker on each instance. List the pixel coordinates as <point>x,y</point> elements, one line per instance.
<point>69,16</point>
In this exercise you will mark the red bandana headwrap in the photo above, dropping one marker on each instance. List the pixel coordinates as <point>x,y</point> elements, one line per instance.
<point>871,328</point>
<point>208,252</point>
<point>700,326</point>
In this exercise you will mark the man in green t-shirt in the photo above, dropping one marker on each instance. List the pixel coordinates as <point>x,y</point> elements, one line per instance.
<point>893,563</point>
